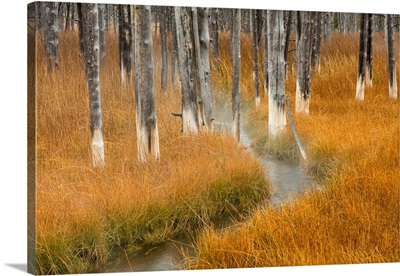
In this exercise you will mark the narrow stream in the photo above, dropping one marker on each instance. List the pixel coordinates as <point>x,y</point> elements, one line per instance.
<point>288,180</point>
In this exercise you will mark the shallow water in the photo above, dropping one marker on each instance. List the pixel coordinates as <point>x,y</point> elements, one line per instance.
<point>288,180</point>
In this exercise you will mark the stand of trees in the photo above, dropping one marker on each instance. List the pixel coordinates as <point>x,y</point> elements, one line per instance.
<point>194,34</point>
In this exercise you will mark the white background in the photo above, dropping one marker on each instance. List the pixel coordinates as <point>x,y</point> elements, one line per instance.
<point>13,106</point>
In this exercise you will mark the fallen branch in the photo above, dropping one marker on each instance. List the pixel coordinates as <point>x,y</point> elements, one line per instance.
<point>177,114</point>
<point>296,136</point>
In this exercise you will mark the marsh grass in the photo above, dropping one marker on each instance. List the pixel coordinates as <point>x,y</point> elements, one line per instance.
<point>84,214</point>
<point>354,149</point>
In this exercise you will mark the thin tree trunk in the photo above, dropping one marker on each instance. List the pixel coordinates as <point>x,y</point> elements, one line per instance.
<point>51,30</point>
<point>146,118</point>
<point>236,73</point>
<point>164,49</point>
<point>368,68</point>
<point>265,63</point>
<point>73,10</point>
<point>68,17</point>
<point>174,58</point>
<point>102,31</point>
<point>391,58</point>
<point>255,57</point>
<point>327,28</point>
<point>362,58</point>
<point>125,42</point>
<point>115,17</point>
<point>80,29</point>
<point>190,122</point>
<point>288,25</point>
<point>92,61</point>
<point>316,61</point>
<point>204,65</point>
<point>276,72</point>
<point>304,49</point>
<point>215,33</point>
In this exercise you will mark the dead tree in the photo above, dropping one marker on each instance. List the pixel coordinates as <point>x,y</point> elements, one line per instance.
<point>51,30</point>
<point>265,57</point>
<point>362,58</point>
<point>164,49</point>
<point>215,33</point>
<point>236,73</point>
<point>276,72</point>
<point>316,47</point>
<point>256,19</point>
<point>391,58</point>
<point>102,31</point>
<point>92,66</point>
<point>184,29</point>
<point>368,69</point>
<point>304,49</point>
<point>174,54</point>
<point>125,41</point>
<point>146,118</point>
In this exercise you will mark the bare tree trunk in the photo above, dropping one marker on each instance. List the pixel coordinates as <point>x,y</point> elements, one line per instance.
<point>215,33</point>
<point>316,61</point>
<point>174,58</point>
<point>125,42</point>
<point>51,30</point>
<point>327,28</point>
<point>102,31</point>
<point>362,58</point>
<point>255,56</point>
<point>146,118</point>
<point>368,68</point>
<point>68,17</point>
<point>276,71</point>
<point>164,49</point>
<point>190,121</point>
<point>115,16</point>
<point>288,26</point>
<point>391,58</point>
<point>236,73</point>
<point>266,58</point>
<point>204,65</point>
<point>73,10</point>
<point>80,29</point>
<point>92,65</point>
<point>304,49</point>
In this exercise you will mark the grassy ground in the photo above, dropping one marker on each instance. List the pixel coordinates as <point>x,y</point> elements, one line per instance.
<point>354,149</point>
<point>82,213</point>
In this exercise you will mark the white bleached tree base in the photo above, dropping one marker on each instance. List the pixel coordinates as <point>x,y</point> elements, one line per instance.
<point>360,89</point>
<point>302,105</point>
<point>393,88</point>
<point>98,149</point>
<point>145,149</point>
<point>189,124</point>
<point>258,101</point>
<point>276,120</point>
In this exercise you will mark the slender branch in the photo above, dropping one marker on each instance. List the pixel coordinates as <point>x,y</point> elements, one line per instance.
<point>296,136</point>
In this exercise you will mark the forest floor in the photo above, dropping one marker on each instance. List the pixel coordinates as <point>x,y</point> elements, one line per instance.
<point>353,149</point>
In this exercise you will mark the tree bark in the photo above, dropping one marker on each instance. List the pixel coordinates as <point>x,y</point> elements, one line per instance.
<point>164,49</point>
<point>146,118</point>
<point>316,52</point>
<point>215,33</point>
<point>276,72</point>
<point>190,122</point>
<point>391,58</point>
<point>362,58</point>
<point>236,73</point>
<point>327,28</point>
<point>174,58</point>
<point>204,67</point>
<point>304,49</point>
<point>255,56</point>
<point>125,42</point>
<point>288,25</point>
<point>92,65</point>
<point>102,31</point>
<point>265,63</point>
<point>51,30</point>
<point>80,29</point>
<point>368,68</point>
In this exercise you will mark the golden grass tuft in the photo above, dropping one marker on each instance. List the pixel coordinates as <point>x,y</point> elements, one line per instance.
<point>83,213</point>
<point>354,149</point>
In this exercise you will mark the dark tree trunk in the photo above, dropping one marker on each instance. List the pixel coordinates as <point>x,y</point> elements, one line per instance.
<point>115,17</point>
<point>215,33</point>
<point>288,25</point>
<point>92,66</point>
<point>255,56</point>
<point>236,73</point>
<point>304,49</point>
<point>51,29</point>
<point>68,17</point>
<point>362,58</point>
<point>174,58</point>
<point>146,118</point>
<point>125,42</point>
<point>164,49</point>
<point>184,27</point>
<point>368,69</point>
<point>316,62</point>
<point>102,35</point>
<point>266,58</point>
<point>391,58</point>
<point>327,28</point>
<point>80,28</point>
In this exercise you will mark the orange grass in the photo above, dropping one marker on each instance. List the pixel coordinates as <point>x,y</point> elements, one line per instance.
<point>83,213</point>
<point>354,148</point>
